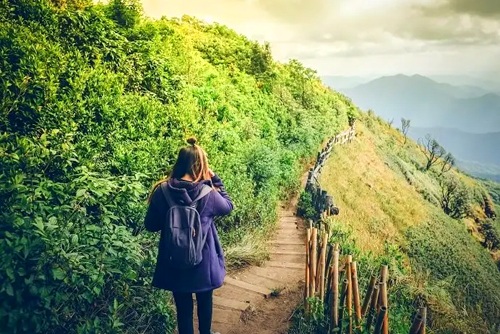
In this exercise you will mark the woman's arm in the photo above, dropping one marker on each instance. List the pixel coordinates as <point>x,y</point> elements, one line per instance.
<point>153,216</point>
<point>221,202</point>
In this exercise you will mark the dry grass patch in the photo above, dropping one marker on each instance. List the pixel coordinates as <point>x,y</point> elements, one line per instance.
<point>376,203</point>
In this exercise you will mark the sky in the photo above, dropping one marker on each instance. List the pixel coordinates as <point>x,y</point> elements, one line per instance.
<point>362,37</point>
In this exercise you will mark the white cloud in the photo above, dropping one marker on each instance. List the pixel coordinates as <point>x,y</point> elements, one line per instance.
<point>358,37</point>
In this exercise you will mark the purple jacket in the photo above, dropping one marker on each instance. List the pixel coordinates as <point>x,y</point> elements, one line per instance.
<point>210,273</point>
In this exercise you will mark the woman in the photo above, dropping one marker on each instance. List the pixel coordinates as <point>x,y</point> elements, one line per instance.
<point>188,177</point>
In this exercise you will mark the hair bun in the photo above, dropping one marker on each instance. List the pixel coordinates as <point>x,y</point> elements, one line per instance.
<point>191,141</point>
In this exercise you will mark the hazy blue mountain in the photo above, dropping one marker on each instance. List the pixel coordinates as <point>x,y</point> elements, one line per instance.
<point>428,103</point>
<point>341,83</point>
<point>490,85</point>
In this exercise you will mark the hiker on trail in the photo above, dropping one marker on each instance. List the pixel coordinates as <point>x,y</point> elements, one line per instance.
<point>190,258</point>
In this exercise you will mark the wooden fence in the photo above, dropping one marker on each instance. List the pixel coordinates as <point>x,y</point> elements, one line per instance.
<point>324,268</point>
<point>347,311</point>
<point>323,202</point>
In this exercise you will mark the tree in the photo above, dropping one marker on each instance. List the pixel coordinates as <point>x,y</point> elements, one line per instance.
<point>405,125</point>
<point>491,238</point>
<point>432,151</point>
<point>126,13</point>
<point>455,199</point>
<point>448,162</point>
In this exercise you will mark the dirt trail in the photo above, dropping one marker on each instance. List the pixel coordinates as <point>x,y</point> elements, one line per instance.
<point>261,300</point>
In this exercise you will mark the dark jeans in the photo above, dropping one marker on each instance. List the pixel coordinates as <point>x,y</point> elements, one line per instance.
<point>184,305</point>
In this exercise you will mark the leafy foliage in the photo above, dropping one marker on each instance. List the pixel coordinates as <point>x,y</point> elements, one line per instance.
<point>305,207</point>
<point>95,102</point>
<point>455,198</point>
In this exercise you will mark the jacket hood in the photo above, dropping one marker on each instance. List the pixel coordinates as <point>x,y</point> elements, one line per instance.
<point>184,192</point>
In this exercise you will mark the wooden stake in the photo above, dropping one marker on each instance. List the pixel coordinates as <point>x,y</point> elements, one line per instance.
<point>423,313</point>
<point>323,267</point>
<point>373,307</point>
<point>416,324</point>
<point>307,292</point>
<point>368,295</point>
<point>335,287</point>
<point>385,278</point>
<point>345,290</point>
<point>380,320</point>
<point>355,292</point>
<point>313,261</point>
<point>349,290</point>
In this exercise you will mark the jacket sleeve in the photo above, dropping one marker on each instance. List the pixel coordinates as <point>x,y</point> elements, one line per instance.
<point>153,216</point>
<point>221,202</point>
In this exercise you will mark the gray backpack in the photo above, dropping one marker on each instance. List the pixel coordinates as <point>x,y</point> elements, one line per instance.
<point>184,237</point>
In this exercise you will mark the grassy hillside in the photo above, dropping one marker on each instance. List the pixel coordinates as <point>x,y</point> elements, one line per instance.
<point>95,103</point>
<point>387,201</point>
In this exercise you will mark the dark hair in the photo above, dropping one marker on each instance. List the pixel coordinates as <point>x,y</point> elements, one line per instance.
<point>191,160</point>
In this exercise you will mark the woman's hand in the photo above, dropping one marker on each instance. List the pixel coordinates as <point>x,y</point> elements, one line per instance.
<point>211,172</point>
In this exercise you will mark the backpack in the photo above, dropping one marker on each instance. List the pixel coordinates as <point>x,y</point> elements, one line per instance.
<point>184,239</point>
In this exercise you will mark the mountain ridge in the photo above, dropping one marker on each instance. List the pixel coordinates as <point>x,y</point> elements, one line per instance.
<point>428,103</point>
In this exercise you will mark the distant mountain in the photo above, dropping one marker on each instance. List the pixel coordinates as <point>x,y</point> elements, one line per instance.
<point>464,80</point>
<point>428,103</point>
<point>340,83</point>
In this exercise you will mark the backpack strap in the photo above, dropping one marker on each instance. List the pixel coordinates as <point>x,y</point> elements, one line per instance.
<point>205,190</point>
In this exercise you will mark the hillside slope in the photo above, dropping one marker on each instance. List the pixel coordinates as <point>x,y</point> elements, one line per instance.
<point>389,204</point>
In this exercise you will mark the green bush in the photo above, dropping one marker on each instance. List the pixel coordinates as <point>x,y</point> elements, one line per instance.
<point>305,207</point>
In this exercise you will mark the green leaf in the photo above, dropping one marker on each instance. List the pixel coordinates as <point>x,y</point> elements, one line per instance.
<point>9,289</point>
<point>80,192</point>
<point>58,273</point>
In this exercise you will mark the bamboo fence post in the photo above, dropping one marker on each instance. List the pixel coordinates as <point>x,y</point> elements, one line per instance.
<point>335,287</point>
<point>355,291</point>
<point>312,275</point>
<point>349,290</point>
<point>368,295</point>
<point>323,267</point>
<point>380,320</point>
<point>385,277</point>
<point>383,293</point>
<point>345,290</point>
<point>307,293</point>
<point>373,307</point>
<point>416,324</point>
<point>424,320</point>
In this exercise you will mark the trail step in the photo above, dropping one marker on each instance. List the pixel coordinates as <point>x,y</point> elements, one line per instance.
<point>230,303</point>
<point>289,219</point>
<point>286,213</point>
<point>226,316</point>
<point>290,232</point>
<point>247,286</point>
<point>286,242</point>
<point>288,226</point>
<point>289,265</point>
<point>264,281</point>
<point>287,253</point>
